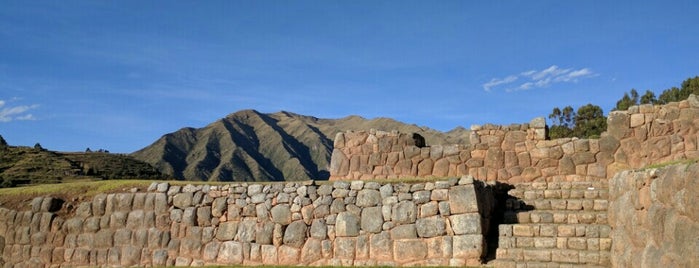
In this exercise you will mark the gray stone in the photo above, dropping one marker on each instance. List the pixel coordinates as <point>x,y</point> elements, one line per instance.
<point>386,191</point>
<point>404,212</point>
<point>123,201</point>
<point>410,250</point>
<point>368,198</point>
<point>429,209</point>
<point>230,252</point>
<point>204,216</point>
<point>421,197</point>
<point>372,219</point>
<point>372,185</point>
<point>347,224</point>
<point>264,232</point>
<point>246,230</point>
<point>162,187</point>
<point>318,229</point>
<point>468,246</point>
<point>325,189</point>
<point>356,185</point>
<point>281,214</point>
<point>345,248</point>
<point>469,223</point>
<point>295,234</point>
<point>462,199</point>
<point>430,227</point>
<point>538,122</point>
<point>182,200</point>
<point>189,217</point>
<point>210,252</point>
<point>219,206</point>
<point>381,247</point>
<point>159,258</point>
<point>311,251</point>
<point>444,208</point>
<point>405,231</point>
<point>341,185</point>
<point>337,206</point>
<point>258,198</point>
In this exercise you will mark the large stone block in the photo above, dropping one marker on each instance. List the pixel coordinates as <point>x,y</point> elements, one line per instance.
<point>404,212</point>
<point>295,234</point>
<point>347,224</point>
<point>406,231</point>
<point>463,199</point>
<point>409,250</point>
<point>430,227</point>
<point>468,246</point>
<point>372,219</point>
<point>311,251</point>
<point>288,255</point>
<point>227,230</point>
<point>345,247</point>
<point>368,198</point>
<point>469,223</point>
<point>230,252</point>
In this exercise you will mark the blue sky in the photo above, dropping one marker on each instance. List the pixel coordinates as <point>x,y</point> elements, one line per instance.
<point>119,74</point>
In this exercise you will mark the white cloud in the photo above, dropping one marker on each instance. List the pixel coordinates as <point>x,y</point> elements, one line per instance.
<point>541,79</point>
<point>496,82</point>
<point>10,113</point>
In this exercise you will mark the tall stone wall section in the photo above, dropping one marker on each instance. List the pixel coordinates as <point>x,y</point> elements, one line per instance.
<point>654,217</point>
<point>342,223</point>
<point>643,135</point>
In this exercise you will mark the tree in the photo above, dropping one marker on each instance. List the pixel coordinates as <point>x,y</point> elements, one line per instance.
<point>563,122</point>
<point>590,121</point>
<point>689,86</point>
<point>629,99</point>
<point>648,98</point>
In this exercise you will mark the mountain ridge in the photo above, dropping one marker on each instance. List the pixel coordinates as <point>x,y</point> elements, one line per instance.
<point>248,145</point>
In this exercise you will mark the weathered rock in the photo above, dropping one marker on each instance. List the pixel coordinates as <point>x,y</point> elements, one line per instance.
<point>182,200</point>
<point>281,214</point>
<point>346,224</point>
<point>430,227</point>
<point>311,251</point>
<point>469,223</point>
<point>404,212</point>
<point>319,229</point>
<point>372,219</point>
<point>408,250</point>
<point>264,233</point>
<point>462,199</point>
<point>406,231</point>
<point>368,198</point>
<point>295,234</point>
<point>230,252</point>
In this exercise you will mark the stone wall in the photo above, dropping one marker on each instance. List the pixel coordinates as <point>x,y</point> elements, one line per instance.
<point>342,223</point>
<point>654,218</point>
<point>642,135</point>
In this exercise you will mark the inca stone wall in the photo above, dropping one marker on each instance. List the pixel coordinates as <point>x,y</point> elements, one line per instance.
<point>655,218</point>
<point>642,135</point>
<point>342,223</point>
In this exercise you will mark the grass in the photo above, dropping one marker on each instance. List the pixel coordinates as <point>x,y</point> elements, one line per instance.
<point>671,163</point>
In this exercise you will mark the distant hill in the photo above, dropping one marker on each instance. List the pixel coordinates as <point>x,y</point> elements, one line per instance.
<point>20,165</point>
<point>253,146</point>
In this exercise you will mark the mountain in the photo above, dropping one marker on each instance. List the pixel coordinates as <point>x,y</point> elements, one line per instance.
<point>253,146</point>
<point>21,165</point>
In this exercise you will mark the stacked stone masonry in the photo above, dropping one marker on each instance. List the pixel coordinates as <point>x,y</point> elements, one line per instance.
<point>512,154</point>
<point>555,224</point>
<point>342,223</point>
<point>655,218</point>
